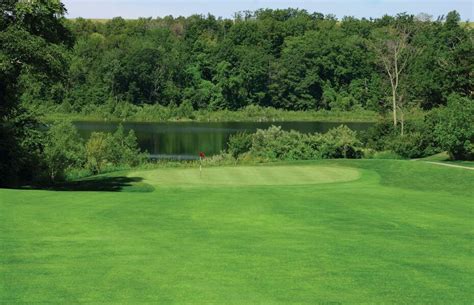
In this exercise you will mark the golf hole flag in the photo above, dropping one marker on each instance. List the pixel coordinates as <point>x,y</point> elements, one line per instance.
<point>201,155</point>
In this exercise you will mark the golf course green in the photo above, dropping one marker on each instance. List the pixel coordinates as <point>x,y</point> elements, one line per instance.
<point>319,232</point>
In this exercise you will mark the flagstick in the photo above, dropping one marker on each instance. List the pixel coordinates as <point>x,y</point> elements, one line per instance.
<point>200,167</point>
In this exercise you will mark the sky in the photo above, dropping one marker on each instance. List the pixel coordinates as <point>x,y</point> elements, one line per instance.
<point>222,8</point>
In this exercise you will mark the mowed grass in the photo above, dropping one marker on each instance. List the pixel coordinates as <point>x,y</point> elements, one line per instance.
<point>444,158</point>
<point>248,175</point>
<point>327,232</point>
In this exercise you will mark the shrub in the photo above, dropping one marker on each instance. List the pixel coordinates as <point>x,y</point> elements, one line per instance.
<point>301,146</point>
<point>343,102</point>
<point>454,130</point>
<point>341,142</point>
<point>97,151</point>
<point>185,110</point>
<point>124,110</point>
<point>418,140</point>
<point>410,145</point>
<point>386,154</point>
<point>277,144</point>
<point>239,143</point>
<point>267,143</point>
<point>21,145</point>
<point>375,137</point>
<point>115,149</point>
<point>219,159</point>
<point>154,112</point>
<point>122,149</point>
<point>63,149</point>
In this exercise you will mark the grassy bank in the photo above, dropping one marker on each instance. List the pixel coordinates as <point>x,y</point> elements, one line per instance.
<point>326,232</point>
<point>157,113</point>
<point>229,116</point>
<point>444,158</point>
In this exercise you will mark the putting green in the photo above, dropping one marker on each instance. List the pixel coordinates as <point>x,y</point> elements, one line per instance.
<point>249,175</point>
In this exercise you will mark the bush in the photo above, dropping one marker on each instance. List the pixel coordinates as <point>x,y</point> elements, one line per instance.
<point>267,143</point>
<point>239,143</point>
<point>124,110</point>
<point>21,145</point>
<point>408,146</point>
<point>341,142</point>
<point>454,130</point>
<point>117,149</point>
<point>387,154</point>
<point>123,149</point>
<point>376,136</point>
<point>63,149</point>
<point>97,151</point>
<point>154,112</point>
<point>418,140</point>
<point>276,144</point>
<point>185,110</point>
<point>220,159</point>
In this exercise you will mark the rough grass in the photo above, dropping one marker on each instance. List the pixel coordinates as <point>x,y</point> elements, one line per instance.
<point>397,232</point>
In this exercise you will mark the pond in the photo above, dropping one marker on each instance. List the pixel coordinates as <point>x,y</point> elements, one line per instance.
<point>184,140</point>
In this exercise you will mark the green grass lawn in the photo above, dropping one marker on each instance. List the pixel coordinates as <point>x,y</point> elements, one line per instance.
<point>444,158</point>
<point>326,232</point>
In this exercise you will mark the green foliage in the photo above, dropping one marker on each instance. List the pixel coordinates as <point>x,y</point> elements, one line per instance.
<point>455,129</point>
<point>205,68</point>
<point>122,111</point>
<point>341,142</point>
<point>386,154</point>
<point>287,59</point>
<point>408,146</point>
<point>113,150</point>
<point>123,148</point>
<point>32,60</point>
<point>63,149</point>
<point>239,143</point>
<point>21,145</point>
<point>327,59</point>
<point>417,142</point>
<point>185,110</point>
<point>446,63</point>
<point>276,144</point>
<point>97,151</point>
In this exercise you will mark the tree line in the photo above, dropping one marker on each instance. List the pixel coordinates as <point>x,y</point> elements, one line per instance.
<point>289,59</point>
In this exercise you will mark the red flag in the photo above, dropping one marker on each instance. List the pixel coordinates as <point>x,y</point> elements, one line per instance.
<point>202,155</point>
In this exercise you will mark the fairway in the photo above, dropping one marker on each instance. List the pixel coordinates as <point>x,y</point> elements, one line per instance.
<point>325,232</point>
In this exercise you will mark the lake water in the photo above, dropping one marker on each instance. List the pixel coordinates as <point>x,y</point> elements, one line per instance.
<point>184,140</point>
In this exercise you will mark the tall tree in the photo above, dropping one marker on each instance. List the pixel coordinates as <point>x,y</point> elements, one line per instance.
<point>394,52</point>
<point>32,36</point>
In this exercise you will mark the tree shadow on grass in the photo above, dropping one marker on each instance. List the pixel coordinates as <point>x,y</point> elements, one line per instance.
<point>99,184</point>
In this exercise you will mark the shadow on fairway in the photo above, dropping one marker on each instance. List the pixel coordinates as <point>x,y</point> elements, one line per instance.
<point>99,184</point>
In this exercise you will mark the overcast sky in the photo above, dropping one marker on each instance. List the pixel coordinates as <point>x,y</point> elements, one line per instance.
<point>223,8</point>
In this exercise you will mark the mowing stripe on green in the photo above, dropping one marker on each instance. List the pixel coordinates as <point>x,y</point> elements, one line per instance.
<point>248,175</point>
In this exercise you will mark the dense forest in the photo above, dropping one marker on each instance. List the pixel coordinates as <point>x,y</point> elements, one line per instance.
<point>288,59</point>
<point>268,59</point>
